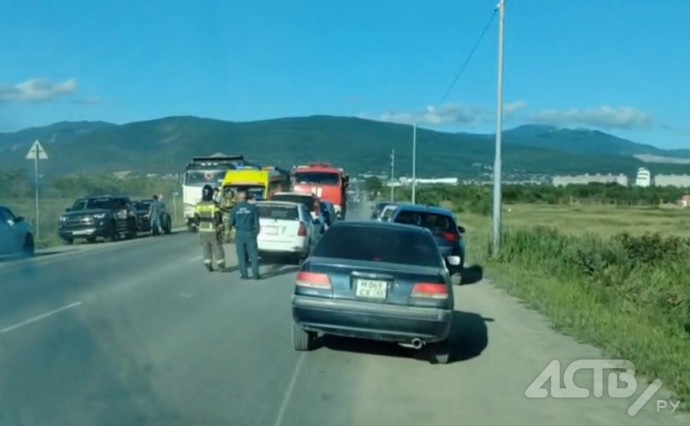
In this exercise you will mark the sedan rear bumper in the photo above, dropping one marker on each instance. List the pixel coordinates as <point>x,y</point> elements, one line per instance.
<point>372,321</point>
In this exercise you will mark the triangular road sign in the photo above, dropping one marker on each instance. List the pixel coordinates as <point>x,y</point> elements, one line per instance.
<point>37,151</point>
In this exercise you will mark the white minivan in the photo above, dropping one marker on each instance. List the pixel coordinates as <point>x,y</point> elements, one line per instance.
<point>285,228</point>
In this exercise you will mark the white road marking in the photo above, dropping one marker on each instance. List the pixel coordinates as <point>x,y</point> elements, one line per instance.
<point>289,390</point>
<point>40,317</point>
<point>196,259</point>
<point>185,295</point>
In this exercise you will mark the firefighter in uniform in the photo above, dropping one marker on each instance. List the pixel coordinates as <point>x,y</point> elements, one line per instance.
<point>245,219</point>
<point>208,218</point>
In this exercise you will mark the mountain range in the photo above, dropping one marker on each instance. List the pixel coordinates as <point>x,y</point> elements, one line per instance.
<point>359,145</point>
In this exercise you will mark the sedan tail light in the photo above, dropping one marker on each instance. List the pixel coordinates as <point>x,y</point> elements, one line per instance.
<point>430,291</point>
<point>302,232</point>
<point>314,280</point>
<point>451,237</point>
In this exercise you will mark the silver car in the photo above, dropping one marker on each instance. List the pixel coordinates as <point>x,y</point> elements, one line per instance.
<point>16,236</point>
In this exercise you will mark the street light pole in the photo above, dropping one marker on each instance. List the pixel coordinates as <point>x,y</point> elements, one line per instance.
<point>414,163</point>
<point>392,175</point>
<point>496,228</point>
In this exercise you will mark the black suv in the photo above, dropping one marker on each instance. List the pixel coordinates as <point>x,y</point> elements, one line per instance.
<point>109,217</point>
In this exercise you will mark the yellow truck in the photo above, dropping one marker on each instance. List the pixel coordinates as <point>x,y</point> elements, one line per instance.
<point>260,184</point>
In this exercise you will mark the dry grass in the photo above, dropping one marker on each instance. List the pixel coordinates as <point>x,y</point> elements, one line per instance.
<point>582,219</point>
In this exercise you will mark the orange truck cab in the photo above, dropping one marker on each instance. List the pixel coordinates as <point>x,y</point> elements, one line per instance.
<point>327,182</point>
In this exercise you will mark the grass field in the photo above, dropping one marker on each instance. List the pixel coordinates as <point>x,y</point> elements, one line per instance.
<point>581,220</point>
<point>629,295</point>
<point>50,211</point>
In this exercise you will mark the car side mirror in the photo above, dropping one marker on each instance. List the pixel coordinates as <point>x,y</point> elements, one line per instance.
<point>454,260</point>
<point>19,219</point>
<point>461,229</point>
<point>68,209</point>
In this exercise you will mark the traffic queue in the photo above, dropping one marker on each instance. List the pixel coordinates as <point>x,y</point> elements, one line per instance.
<point>265,210</point>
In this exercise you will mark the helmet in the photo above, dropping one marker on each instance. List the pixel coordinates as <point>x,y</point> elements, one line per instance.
<point>207,193</point>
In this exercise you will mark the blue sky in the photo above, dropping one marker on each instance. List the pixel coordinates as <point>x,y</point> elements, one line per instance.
<point>617,65</point>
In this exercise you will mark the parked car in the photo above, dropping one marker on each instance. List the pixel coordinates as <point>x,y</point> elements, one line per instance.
<point>285,229</point>
<point>442,224</point>
<point>387,213</point>
<point>109,217</point>
<point>329,214</point>
<point>16,236</point>
<point>377,209</point>
<point>378,281</point>
<point>141,208</point>
<point>310,201</point>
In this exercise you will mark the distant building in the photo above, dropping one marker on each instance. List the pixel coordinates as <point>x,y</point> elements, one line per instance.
<point>406,181</point>
<point>585,179</point>
<point>643,178</point>
<point>680,181</point>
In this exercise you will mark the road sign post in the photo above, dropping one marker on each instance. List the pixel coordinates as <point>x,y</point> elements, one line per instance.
<point>36,153</point>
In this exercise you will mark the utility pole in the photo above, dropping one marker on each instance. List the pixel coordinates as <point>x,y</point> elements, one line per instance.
<point>414,163</point>
<point>496,228</point>
<point>392,175</point>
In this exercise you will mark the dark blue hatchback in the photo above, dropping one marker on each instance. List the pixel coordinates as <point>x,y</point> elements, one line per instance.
<point>378,281</point>
<point>442,225</point>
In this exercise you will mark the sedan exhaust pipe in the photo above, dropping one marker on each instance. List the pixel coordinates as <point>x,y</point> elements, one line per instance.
<point>416,344</point>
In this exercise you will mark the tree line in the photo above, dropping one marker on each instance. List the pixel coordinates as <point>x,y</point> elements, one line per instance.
<point>478,198</point>
<point>18,184</point>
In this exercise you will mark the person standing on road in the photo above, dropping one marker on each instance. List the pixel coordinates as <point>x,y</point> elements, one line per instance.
<point>209,218</point>
<point>155,211</point>
<point>245,219</point>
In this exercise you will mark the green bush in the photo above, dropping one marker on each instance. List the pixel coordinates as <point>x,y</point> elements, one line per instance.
<point>639,284</point>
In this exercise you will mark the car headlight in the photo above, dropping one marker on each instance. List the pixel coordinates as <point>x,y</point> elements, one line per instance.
<point>99,216</point>
<point>63,218</point>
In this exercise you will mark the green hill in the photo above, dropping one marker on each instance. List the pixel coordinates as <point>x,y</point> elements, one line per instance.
<point>165,145</point>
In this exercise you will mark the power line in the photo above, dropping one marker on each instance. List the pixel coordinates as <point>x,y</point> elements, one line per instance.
<point>469,57</point>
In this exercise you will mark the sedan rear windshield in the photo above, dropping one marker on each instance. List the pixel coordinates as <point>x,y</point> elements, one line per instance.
<point>435,222</point>
<point>302,199</point>
<point>278,212</point>
<point>380,244</point>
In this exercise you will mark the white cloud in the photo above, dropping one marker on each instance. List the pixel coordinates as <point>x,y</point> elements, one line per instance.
<point>605,117</point>
<point>511,108</point>
<point>451,114</point>
<point>37,90</point>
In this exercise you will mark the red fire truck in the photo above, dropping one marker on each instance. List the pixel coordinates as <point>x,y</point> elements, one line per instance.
<point>325,181</point>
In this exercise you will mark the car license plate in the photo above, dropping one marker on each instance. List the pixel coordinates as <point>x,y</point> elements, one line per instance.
<point>271,230</point>
<point>82,232</point>
<point>371,289</point>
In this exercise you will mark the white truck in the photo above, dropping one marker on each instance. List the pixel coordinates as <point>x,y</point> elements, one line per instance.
<point>209,170</point>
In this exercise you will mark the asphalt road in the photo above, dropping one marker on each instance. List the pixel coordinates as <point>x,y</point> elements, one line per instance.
<point>138,333</point>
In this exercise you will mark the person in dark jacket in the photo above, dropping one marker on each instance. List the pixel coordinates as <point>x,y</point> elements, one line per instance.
<point>244,217</point>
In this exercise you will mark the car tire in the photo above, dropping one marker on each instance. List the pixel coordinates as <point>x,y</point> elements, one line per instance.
<point>191,228</point>
<point>302,340</point>
<point>440,352</point>
<point>131,229</point>
<point>68,241</point>
<point>90,240</point>
<point>29,247</point>
<point>112,234</point>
